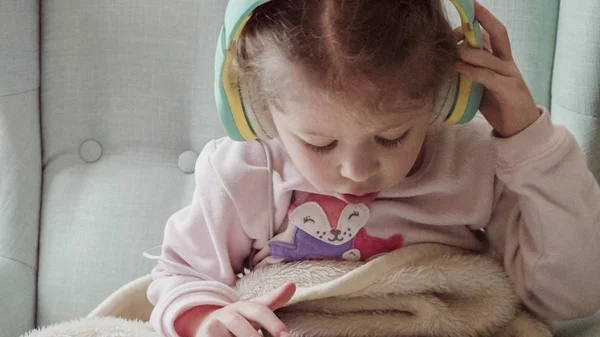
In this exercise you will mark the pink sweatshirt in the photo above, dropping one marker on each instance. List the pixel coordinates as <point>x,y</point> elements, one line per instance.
<point>530,198</point>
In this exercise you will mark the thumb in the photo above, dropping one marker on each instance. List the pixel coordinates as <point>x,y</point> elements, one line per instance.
<point>277,298</point>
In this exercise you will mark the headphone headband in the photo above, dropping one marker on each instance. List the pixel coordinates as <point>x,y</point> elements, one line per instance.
<point>231,109</point>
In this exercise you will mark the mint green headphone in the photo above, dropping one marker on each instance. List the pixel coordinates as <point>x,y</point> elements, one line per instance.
<point>459,101</point>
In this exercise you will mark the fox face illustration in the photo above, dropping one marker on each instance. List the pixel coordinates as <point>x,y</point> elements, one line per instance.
<point>326,228</point>
<point>321,227</point>
<point>311,218</point>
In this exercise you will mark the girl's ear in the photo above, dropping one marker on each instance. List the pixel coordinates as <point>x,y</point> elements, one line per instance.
<point>262,122</point>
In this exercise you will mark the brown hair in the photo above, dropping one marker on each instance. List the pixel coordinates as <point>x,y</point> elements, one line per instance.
<point>363,50</point>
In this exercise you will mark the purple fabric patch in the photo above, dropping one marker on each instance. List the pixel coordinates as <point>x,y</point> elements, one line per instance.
<point>307,247</point>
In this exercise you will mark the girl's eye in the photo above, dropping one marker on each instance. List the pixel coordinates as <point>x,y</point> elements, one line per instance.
<point>322,149</point>
<point>392,143</point>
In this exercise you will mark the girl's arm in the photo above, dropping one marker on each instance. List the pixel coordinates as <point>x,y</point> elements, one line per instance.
<point>206,243</point>
<point>546,223</point>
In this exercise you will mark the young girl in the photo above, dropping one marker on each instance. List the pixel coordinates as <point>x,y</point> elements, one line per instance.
<point>361,165</point>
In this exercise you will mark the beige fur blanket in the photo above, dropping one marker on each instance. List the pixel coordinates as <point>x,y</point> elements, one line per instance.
<point>420,290</point>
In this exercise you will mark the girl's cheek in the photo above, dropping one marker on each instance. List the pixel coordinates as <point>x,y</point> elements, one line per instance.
<point>317,170</point>
<point>302,157</point>
<point>310,160</point>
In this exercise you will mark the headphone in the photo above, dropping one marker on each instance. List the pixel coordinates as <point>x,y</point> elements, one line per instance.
<point>458,100</point>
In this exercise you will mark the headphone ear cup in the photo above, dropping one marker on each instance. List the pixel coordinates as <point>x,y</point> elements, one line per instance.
<point>473,103</point>
<point>466,101</point>
<point>267,125</point>
<point>227,95</point>
<point>446,98</point>
<point>262,124</point>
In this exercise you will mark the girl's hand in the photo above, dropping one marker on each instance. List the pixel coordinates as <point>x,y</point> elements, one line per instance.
<point>242,319</point>
<point>507,103</point>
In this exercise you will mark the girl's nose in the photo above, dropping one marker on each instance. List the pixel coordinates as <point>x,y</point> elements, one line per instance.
<point>360,168</point>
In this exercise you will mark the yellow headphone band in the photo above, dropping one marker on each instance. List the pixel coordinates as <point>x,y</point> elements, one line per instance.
<point>232,89</point>
<point>465,83</point>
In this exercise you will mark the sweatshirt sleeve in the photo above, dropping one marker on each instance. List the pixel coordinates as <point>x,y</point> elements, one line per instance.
<point>208,241</point>
<point>546,222</point>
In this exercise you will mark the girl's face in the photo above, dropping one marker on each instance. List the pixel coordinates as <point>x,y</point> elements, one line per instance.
<point>352,154</point>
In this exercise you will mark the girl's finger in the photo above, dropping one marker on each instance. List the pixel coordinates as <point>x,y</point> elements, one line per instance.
<point>488,78</point>
<point>484,59</point>
<point>277,298</point>
<point>240,327</point>
<point>215,328</point>
<point>263,317</point>
<point>487,44</point>
<point>499,40</point>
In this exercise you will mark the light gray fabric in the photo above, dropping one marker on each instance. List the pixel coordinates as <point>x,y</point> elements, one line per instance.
<point>20,164</point>
<point>576,83</point>
<point>20,187</point>
<point>137,78</point>
<point>18,297</point>
<point>96,221</point>
<point>130,74</point>
<point>19,71</point>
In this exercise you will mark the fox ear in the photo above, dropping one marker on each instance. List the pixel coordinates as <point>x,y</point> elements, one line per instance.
<point>354,216</point>
<point>308,216</point>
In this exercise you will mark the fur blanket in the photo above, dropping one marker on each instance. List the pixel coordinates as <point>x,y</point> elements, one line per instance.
<point>420,290</point>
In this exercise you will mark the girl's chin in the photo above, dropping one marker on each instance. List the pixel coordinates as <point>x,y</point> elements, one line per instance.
<point>359,199</point>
